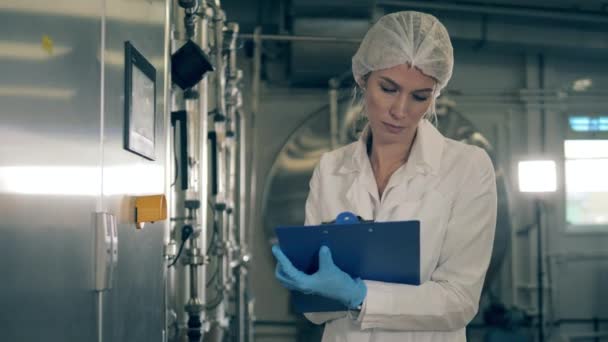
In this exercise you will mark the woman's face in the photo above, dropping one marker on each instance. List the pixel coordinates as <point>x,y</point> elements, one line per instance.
<point>396,99</point>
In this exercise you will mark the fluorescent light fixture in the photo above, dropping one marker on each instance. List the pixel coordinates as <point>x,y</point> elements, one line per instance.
<point>51,180</point>
<point>136,179</point>
<point>537,176</point>
<point>582,84</point>
<point>37,92</point>
<point>29,51</point>
<point>586,149</point>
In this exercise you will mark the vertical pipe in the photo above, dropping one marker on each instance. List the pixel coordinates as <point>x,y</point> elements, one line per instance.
<point>255,100</point>
<point>538,204</point>
<point>178,275</point>
<point>218,20</point>
<point>231,147</point>
<point>168,161</point>
<point>99,295</point>
<point>596,328</point>
<point>543,112</point>
<point>203,154</point>
<point>252,217</point>
<point>240,310</point>
<point>234,248</point>
<point>257,65</point>
<point>221,198</point>
<point>539,266</point>
<point>243,228</point>
<point>333,112</point>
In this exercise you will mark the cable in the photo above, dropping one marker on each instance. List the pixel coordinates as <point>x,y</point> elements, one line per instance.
<point>213,275</point>
<point>216,302</point>
<point>213,237</point>
<point>187,231</point>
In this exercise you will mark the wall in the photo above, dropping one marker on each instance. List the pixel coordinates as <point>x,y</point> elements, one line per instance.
<point>62,160</point>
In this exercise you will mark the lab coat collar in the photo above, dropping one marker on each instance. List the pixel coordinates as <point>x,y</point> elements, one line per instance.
<point>425,156</point>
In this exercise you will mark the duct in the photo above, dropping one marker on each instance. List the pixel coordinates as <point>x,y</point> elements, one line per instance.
<point>287,183</point>
<point>597,17</point>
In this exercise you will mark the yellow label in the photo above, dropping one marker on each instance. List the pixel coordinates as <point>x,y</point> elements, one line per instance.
<point>47,44</point>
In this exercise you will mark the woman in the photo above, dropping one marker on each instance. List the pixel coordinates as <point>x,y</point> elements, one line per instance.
<point>402,168</point>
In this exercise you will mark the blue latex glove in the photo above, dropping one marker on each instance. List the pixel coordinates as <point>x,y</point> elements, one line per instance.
<point>329,281</point>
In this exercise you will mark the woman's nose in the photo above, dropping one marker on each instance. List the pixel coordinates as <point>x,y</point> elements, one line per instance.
<point>399,107</point>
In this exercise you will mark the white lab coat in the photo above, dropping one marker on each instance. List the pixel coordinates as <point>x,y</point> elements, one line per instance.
<point>451,188</point>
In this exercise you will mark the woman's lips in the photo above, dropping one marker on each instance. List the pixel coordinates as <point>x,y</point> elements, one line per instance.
<point>392,128</point>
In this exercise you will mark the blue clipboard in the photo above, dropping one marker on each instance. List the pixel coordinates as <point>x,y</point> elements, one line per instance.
<point>381,251</point>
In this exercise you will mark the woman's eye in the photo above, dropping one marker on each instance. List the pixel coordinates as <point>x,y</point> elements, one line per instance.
<point>419,98</point>
<point>387,89</point>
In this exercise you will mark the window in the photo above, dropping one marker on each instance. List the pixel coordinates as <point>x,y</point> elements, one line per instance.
<point>586,173</point>
<point>589,123</point>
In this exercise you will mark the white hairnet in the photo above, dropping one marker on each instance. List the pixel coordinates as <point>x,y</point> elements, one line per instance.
<point>418,39</point>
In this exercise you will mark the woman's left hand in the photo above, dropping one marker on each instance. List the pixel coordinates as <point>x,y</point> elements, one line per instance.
<point>329,281</point>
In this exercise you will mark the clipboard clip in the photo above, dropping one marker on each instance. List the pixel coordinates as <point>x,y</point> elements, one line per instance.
<point>347,217</point>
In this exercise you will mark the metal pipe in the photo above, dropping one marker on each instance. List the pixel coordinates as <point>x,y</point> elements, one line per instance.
<point>252,162</point>
<point>333,112</point>
<point>539,270</point>
<point>167,253</point>
<point>518,11</point>
<point>242,236</point>
<point>218,25</point>
<point>177,289</point>
<point>203,41</point>
<point>234,246</point>
<point>251,319</point>
<point>596,335</point>
<point>232,30</point>
<point>294,38</point>
<point>257,66</point>
<point>578,256</point>
<point>222,180</point>
<point>99,295</point>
